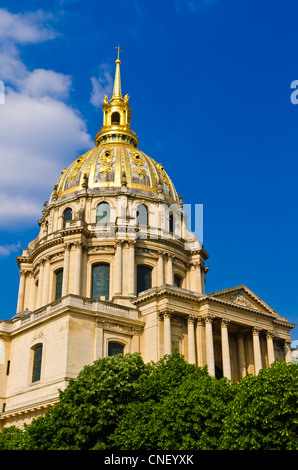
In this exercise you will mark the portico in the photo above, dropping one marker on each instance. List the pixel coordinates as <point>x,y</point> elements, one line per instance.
<point>232,339</point>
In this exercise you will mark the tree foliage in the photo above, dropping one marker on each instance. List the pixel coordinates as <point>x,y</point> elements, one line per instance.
<point>121,403</point>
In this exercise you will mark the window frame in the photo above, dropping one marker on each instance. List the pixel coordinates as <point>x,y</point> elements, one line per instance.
<point>119,343</point>
<point>137,276</point>
<point>109,213</point>
<point>93,266</point>
<point>138,222</point>
<point>58,272</point>
<point>69,209</point>
<point>36,368</point>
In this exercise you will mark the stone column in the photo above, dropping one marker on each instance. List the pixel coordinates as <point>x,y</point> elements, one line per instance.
<point>241,356</point>
<point>78,268</point>
<point>191,339</point>
<point>199,339</point>
<point>98,343</point>
<point>46,282</point>
<point>167,315</point>
<point>21,295</point>
<point>270,347</point>
<point>135,340</point>
<point>170,269</point>
<point>226,360</point>
<point>40,284</point>
<point>196,277</point>
<point>131,268</point>
<point>199,277</point>
<point>65,277</point>
<point>118,268</point>
<point>160,269</point>
<point>257,350</point>
<point>209,344</point>
<point>287,349</point>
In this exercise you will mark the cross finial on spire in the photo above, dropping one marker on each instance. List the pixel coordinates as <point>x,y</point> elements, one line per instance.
<point>117,83</point>
<point>119,50</point>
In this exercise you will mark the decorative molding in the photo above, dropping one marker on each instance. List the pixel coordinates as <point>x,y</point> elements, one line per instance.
<point>241,299</point>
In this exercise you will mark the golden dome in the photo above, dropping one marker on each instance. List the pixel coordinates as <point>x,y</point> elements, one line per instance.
<point>116,165</point>
<point>116,160</point>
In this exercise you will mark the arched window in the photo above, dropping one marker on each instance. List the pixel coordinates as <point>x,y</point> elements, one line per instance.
<point>58,279</point>
<point>67,216</point>
<point>177,280</point>
<point>171,222</point>
<point>142,215</point>
<point>103,213</point>
<point>115,348</point>
<point>115,118</point>
<point>37,358</point>
<point>144,275</point>
<point>100,281</point>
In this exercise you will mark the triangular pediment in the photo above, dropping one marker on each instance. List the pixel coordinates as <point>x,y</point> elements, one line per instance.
<point>243,297</point>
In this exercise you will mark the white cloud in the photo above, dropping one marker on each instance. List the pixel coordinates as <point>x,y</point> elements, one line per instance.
<point>12,69</point>
<point>101,86</point>
<point>37,135</point>
<point>6,250</point>
<point>25,28</point>
<point>48,83</point>
<point>40,132</point>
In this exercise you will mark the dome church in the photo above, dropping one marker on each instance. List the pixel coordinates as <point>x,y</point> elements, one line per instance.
<point>115,270</point>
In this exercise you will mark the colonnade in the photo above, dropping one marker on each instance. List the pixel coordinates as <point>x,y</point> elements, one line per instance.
<point>200,335</point>
<point>124,273</point>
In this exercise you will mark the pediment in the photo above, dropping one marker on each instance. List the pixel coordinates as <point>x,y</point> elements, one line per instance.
<point>243,297</point>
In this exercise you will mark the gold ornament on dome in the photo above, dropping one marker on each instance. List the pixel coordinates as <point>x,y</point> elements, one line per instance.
<point>138,161</point>
<point>77,167</point>
<point>164,175</point>
<point>107,163</point>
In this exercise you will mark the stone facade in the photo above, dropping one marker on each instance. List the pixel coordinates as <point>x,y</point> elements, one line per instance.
<point>62,323</point>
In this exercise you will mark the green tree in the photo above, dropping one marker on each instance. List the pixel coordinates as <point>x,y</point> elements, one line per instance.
<point>12,438</point>
<point>90,407</point>
<point>120,403</point>
<point>264,412</point>
<point>188,416</point>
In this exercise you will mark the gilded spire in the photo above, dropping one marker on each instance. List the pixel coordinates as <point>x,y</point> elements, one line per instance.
<point>117,93</point>
<point>116,116</point>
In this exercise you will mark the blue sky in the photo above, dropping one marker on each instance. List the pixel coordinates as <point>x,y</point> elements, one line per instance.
<point>210,87</point>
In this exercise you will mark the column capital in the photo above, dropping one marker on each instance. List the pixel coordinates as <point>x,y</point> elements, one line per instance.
<point>136,331</point>
<point>166,313</point>
<point>191,318</point>
<point>200,321</point>
<point>67,246</point>
<point>99,323</point>
<point>270,334</point>
<point>224,322</point>
<point>161,253</point>
<point>197,264</point>
<point>256,331</point>
<point>208,318</point>
<point>130,243</point>
<point>79,244</point>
